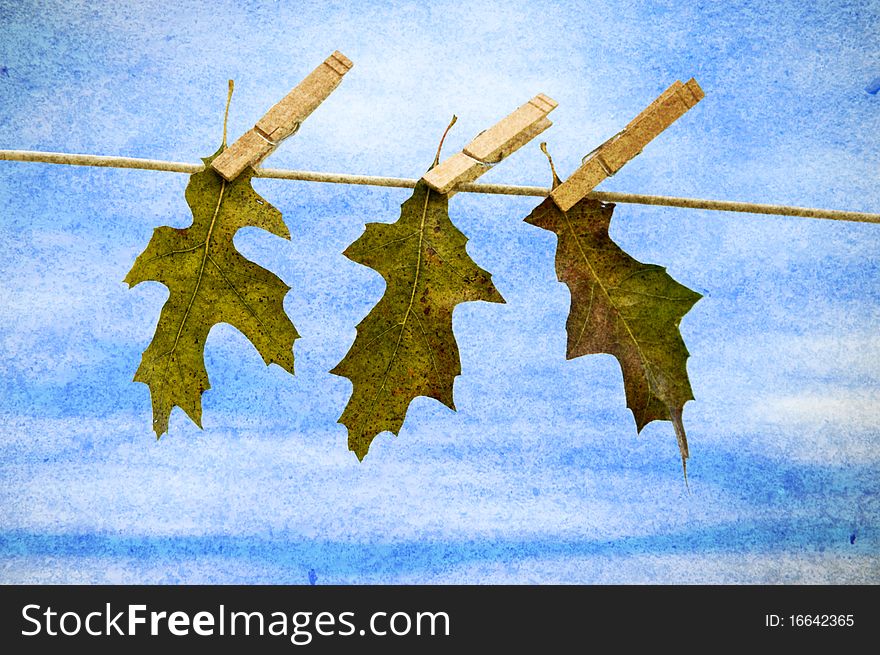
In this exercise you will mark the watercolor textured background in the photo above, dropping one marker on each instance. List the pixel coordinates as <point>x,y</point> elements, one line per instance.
<point>539,477</point>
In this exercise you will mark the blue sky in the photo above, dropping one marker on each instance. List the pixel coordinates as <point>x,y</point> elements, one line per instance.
<point>539,477</point>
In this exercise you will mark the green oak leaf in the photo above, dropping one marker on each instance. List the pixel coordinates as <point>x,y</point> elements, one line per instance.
<point>405,346</point>
<point>625,308</point>
<point>210,282</point>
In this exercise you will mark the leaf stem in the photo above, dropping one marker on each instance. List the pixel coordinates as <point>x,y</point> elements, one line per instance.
<point>556,180</point>
<point>442,139</point>
<point>226,113</point>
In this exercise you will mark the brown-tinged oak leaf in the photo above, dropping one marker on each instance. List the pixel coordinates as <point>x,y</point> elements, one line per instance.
<point>210,282</point>
<point>405,346</point>
<point>625,308</point>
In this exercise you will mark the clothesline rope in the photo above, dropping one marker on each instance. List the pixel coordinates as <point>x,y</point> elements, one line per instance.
<point>406,183</point>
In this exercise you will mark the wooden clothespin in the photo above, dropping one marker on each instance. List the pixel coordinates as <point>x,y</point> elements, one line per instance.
<point>610,157</point>
<point>493,145</point>
<point>283,119</point>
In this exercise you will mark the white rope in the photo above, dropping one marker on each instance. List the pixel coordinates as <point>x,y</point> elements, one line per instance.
<point>406,183</point>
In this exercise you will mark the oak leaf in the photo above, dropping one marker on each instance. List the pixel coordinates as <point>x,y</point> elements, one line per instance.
<point>405,346</point>
<point>210,282</point>
<point>625,308</point>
